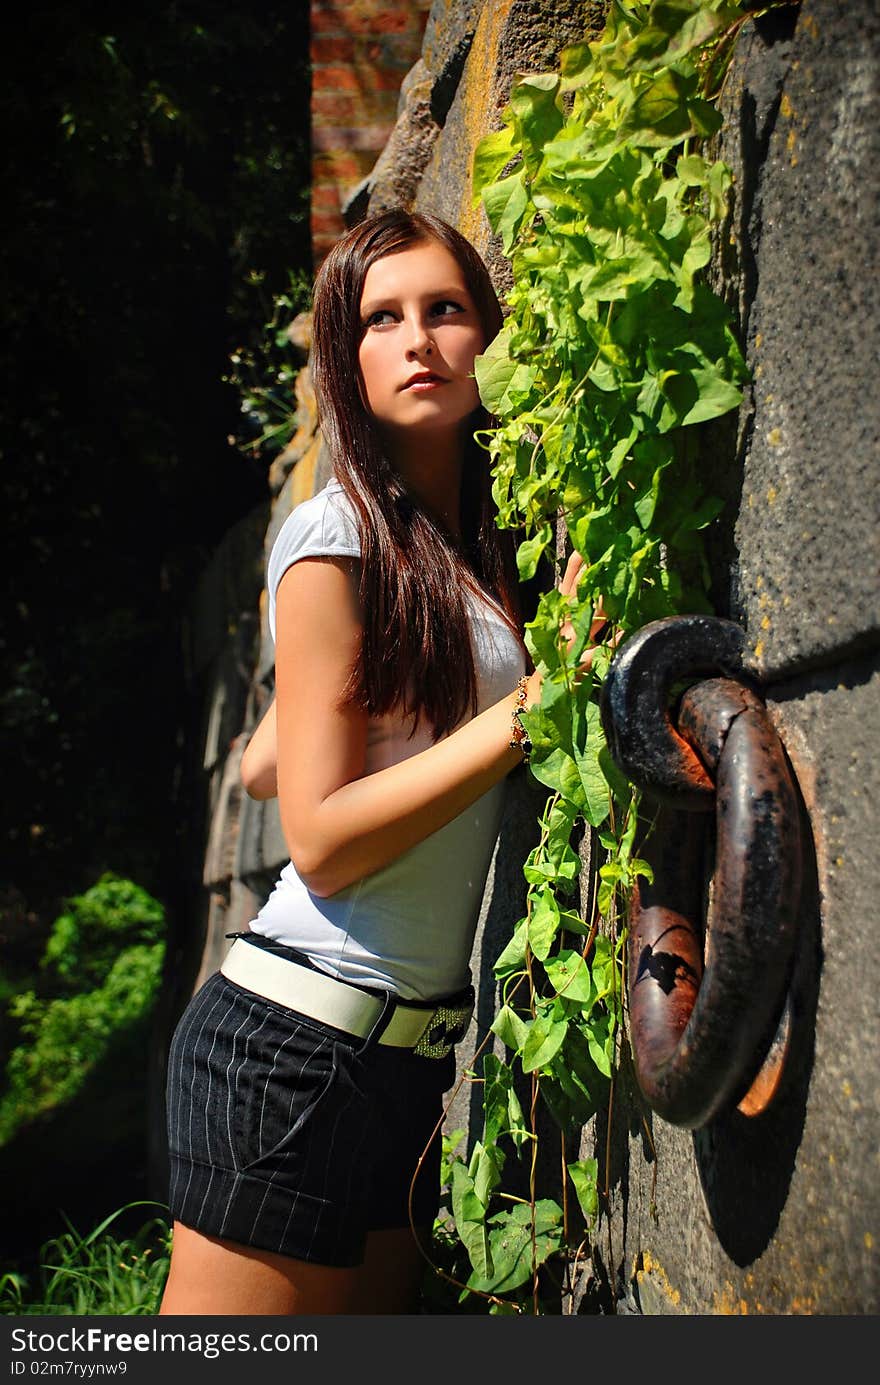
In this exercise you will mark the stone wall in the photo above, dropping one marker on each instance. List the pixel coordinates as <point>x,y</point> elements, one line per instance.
<point>777,1214</point>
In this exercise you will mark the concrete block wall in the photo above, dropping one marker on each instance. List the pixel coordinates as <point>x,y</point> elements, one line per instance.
<point>779,1213</point>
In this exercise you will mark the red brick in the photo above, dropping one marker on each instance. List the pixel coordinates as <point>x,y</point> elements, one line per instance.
<point>361,79</point>
<point>372,137</point>
<point>323,223</point>
<point>383,50</point>
<point>325,197</point>
<point>355,108</point>
<point>343,166</point>
<point>328,108</point>
<point>351,20</point>
<point>341,48</point>
<point>383,77</point>
<point>360,52</point>
<point>338,77</point>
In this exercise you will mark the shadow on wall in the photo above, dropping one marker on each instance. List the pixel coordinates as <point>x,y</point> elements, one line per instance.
<point>506,905</point>
<point>746,1163</point>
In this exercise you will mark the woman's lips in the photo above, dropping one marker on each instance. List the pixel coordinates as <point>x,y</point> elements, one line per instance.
<point>425,381</point>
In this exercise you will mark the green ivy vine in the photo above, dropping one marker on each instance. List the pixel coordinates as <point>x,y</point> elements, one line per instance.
<point>603,191</point>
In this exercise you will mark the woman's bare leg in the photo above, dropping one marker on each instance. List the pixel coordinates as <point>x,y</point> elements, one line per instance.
<point>212,1276</point>
<point>390,1279</point>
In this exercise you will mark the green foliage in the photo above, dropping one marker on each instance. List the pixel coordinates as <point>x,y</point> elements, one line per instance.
<point>264,373</point>
<point>615,350</point>
<point>614,346</point>
<point>85,941</point>
<point>95,1274</point>
<point>110,941</point>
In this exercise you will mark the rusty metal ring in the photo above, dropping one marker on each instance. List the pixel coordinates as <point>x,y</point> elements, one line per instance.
<point>636,695</point>
<point>708,1007</point>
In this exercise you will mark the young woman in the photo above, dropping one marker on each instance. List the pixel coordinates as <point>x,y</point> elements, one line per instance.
<point>305,1079</point>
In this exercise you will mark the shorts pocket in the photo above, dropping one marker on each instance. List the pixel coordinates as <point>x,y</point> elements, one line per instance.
<point>279,1094</point>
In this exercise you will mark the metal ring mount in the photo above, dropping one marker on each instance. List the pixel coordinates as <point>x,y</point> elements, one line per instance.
<point>708,1007</point>
<point>636,716</point>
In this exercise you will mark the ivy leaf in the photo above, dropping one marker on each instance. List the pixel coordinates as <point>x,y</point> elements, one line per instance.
<point>511,1028</point>
<point>517,1248</point>
<point>502,1111</point>
<point>600,1040</point>
<point>531,551</point>
<point>719,184</point>
<point>617,781</point>
<point>486,1164</point>
<point>544,1039</point>
<point>570,977</point>
<point>506,204</point>
<point>573,1086</point>
<point>692,170</point>
<point>513,957</point>
<point>543,923</point>
<point>538,116</point>
<point>450,1143</point>
<point>571,922</point>
<point>715,396</point>
<point>500,378</point>
<point>584,1175</point>
<point>596,801</point>
<point>639,867</point>
<point>470,1220</point>
<point>559,772</point>
<point>613,346</point>
<point>674,29</point>
<point>492,154</point>
<point>689,27</point>
<point>620,452</point>
<point>575,65</point>
<point>646,504</point>
<point>667,112</point>
<point>542,633</point>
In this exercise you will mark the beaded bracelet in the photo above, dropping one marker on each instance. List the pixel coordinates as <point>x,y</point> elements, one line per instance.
<point>519,736</point>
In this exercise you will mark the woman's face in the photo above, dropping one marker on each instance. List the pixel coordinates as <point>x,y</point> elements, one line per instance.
<point>420,334</point>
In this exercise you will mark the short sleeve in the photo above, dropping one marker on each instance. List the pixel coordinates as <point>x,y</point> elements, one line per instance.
<point>320,527</point>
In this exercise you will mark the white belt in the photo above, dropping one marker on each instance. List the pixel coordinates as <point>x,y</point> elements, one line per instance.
<point>343,1006</point>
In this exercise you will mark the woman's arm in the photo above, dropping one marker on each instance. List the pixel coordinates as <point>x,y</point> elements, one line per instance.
<point>259,760</point>
<point>341,824</point>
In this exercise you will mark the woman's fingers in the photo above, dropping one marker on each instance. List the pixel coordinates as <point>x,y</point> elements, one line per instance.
<point>568,581</point>
<point>601,628</point>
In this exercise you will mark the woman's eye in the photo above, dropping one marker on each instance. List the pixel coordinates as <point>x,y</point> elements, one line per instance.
<point>446,307</point>
<point>379,319</point>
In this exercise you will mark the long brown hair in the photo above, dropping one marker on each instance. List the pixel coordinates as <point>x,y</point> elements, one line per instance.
<point>416,652</point>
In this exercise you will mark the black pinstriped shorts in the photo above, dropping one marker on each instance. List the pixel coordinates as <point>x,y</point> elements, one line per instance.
<point>286,1137</point>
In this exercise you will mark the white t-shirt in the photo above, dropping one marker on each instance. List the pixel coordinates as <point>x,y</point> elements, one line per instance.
<point>408,927</point>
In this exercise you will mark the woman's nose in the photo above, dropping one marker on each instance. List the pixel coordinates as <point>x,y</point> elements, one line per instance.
<point>418,342</point>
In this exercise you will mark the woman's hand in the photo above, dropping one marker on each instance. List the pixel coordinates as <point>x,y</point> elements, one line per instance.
<point>567,586</point>
<point>259,762</point>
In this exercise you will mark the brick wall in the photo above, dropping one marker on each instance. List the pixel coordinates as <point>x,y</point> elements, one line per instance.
<point>360,50</point>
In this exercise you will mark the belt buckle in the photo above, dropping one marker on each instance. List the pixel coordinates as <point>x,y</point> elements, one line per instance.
<point>447,1027</point>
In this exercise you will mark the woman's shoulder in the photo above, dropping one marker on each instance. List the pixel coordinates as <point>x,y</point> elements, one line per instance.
<point>322,526</point>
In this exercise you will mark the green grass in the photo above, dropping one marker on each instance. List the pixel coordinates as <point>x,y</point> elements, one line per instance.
<point>95,1274</point>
